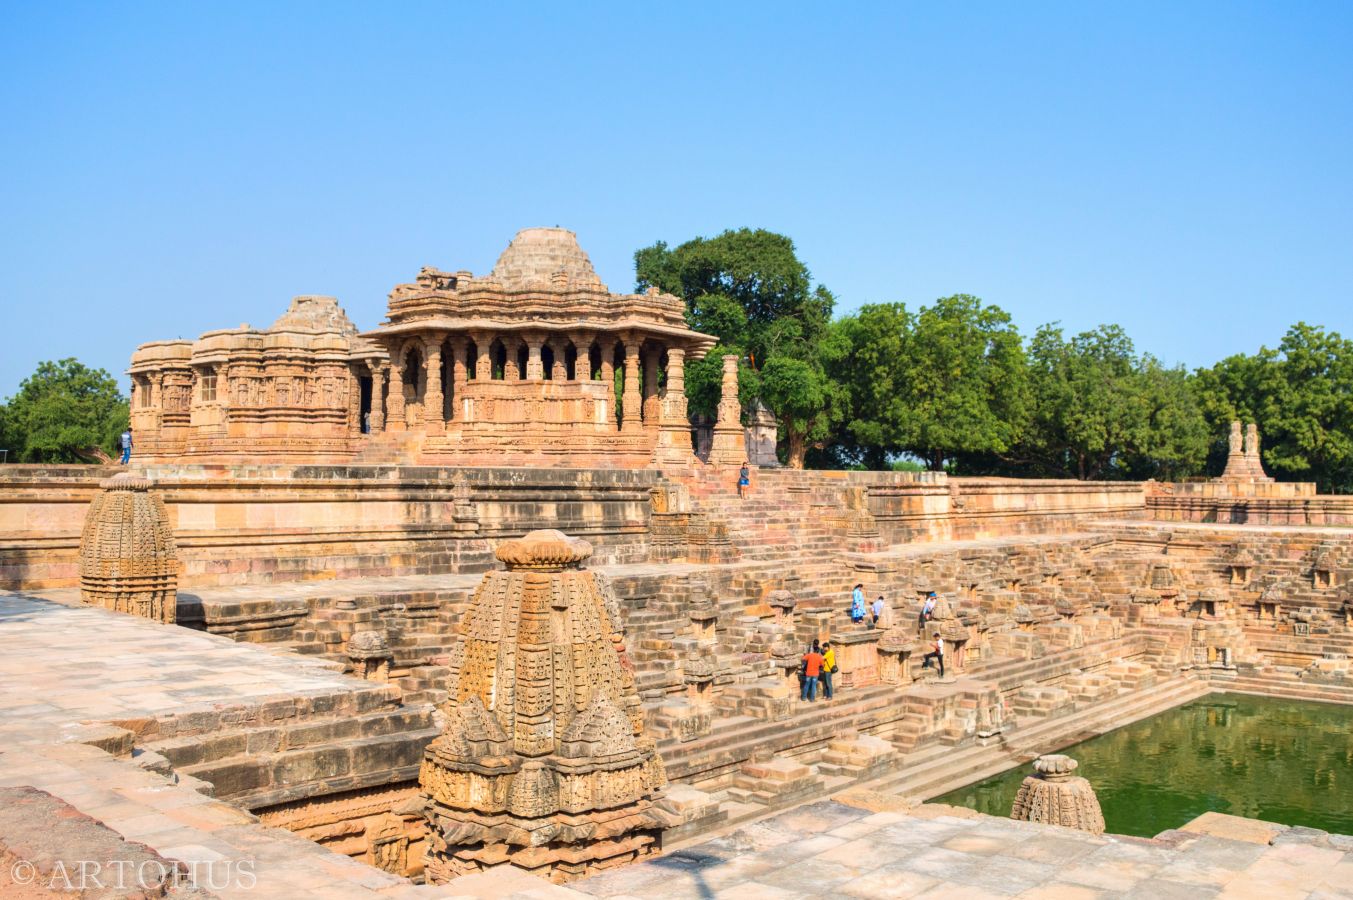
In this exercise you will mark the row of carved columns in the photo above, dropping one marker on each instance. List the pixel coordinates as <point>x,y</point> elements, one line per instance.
<point>419,363</point>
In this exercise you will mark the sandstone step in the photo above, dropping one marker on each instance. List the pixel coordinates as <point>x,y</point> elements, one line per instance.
<point>254,781</point>
<point>937,772</point>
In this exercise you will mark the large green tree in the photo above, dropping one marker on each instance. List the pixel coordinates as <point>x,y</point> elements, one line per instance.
<point>749,288</point>
<point>1301,397</point>
<point>948,381</point>
<point>1102,411</point>
<point>64,412</point>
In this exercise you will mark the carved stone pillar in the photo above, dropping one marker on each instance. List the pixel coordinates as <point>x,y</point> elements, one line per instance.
<point>674,434</point>
<point>633,401</point>
<point>558,371</point>
<point>652,405</point>
<point>433,415</point>
<point>729,447</point>
<point>483,365</point>
<point>378,375</point>
<point>459,375</point>
<point>535,370</point>
<point>608,367</point>
<point>394,407</point>
<point>354,400</point>
<point>582,360</point>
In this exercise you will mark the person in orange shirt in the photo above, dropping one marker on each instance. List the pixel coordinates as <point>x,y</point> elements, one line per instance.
<point>828,667</point>
<point>812,670</point>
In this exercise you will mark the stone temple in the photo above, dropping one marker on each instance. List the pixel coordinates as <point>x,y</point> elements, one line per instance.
<point>536,363</point>
<point>465,604</point>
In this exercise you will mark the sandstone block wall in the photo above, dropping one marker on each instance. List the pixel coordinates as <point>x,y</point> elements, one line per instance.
<point>242,524</point>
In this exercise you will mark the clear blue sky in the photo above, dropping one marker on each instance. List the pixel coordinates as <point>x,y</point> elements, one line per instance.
<point>1182,169</point>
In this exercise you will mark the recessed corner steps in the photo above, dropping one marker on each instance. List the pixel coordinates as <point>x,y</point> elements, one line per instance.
<point>353,740</point>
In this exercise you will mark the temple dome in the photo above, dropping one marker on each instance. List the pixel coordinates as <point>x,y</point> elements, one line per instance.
<point>311,312</point>
<point>545,258</point>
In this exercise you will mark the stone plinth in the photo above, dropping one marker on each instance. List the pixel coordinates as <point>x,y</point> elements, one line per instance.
<point>1053,796</point>
<point>128,561</point>
<point>1243,462</point>
<point>729,445</point>
<point>858,658</point>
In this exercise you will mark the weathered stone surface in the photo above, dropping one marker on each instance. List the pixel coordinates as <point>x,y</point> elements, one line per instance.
<point>128,560</point>
<point>1054,796</point>
<point>516,367</point>
<point>544,762</point>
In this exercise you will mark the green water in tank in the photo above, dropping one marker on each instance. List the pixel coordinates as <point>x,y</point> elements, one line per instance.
<point>1285,761</point>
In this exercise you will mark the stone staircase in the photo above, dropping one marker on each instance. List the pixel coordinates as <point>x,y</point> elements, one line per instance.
<point>305,746</point>
<point>933,770</point>
<point>388,448</point>
<point>782,517</point>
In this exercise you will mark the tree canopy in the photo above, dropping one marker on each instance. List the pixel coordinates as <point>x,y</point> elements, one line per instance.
<point>750,289</point>
<point>64,412</point>
<point>950,380</point>
<point>954,385</point>
<point>1102,411</point>
<point>1301,397</point>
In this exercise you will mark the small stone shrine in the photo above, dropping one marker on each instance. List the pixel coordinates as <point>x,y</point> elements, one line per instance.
<point>128,561</point>
<point>1054,796</point>
<point>543,763</point>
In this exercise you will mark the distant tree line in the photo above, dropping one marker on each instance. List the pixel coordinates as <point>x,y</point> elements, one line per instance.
<point>950,386</point>
<point>955,386</point>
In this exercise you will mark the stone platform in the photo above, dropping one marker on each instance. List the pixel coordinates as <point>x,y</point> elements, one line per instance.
<point>835,850</point>
<point>79,686</point>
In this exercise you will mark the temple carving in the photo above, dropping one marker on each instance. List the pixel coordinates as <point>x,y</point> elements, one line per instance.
<point>544,762</point>
<point>128,560</point>
<point>537,363</point>
<point>1055,796</point>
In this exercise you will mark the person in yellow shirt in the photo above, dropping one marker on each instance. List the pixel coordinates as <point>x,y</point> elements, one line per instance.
<point>828,667</point>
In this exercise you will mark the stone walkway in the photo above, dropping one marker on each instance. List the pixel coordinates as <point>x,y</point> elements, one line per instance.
<point>66,670</point>
<point>829,850</point>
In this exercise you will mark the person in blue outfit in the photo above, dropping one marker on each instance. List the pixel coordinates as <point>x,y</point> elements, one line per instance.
<point>927,612</point>
<point>857,610</point>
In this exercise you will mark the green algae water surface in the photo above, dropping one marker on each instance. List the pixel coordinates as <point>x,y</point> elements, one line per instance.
<point>1286,761</point>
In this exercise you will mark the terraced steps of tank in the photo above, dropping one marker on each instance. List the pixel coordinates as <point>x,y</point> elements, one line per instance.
<point>736,736</point>
<point>305,747</point>
<point>931,771</point>
<point>1272,682</point>
<point>936,768</point>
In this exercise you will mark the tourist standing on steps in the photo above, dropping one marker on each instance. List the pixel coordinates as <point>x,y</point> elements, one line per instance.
<point>857,604</point>
<point>125,442</point>
<point>936,654</point>
<point>877,610</point>
<point>744,481</point>
<point>927,612</point>
<point>812,670</point>
<point>828,669</point>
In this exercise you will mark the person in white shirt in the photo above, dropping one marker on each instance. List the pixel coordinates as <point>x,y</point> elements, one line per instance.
<point>878,609</point>
<point>936,654</point>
